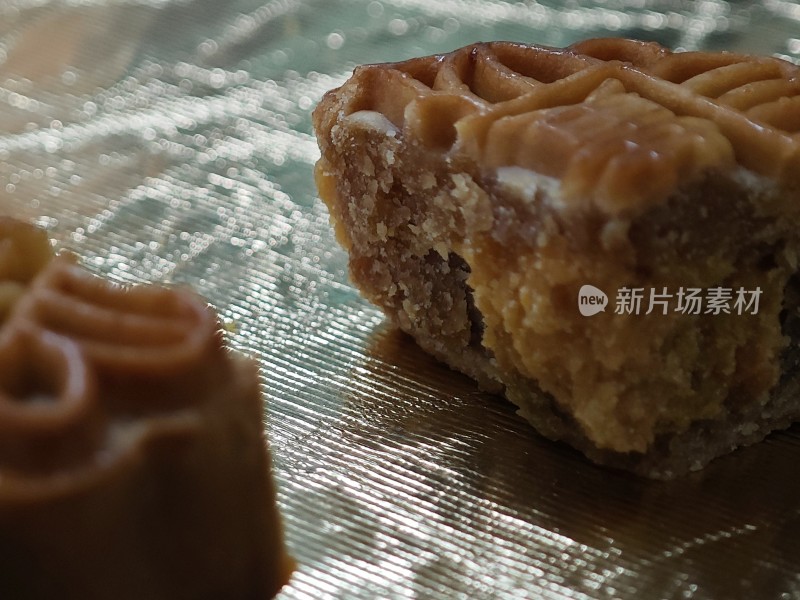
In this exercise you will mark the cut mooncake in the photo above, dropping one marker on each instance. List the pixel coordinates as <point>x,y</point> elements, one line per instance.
<point>132,456</point>
<point>605,233</point>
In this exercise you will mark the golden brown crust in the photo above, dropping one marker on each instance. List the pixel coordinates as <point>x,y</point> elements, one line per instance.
<point>626,119</point>
<point>132,457</point>
<point>24,251</point>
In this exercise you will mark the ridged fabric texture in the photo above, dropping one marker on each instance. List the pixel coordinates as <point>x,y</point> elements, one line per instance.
<point>170,140</point>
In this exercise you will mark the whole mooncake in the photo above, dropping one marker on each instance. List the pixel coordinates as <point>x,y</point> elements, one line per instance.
<point>132,457</point>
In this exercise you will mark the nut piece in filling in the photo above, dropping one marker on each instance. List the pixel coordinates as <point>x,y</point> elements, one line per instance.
<point>478,192</point>
<point>132,457</point>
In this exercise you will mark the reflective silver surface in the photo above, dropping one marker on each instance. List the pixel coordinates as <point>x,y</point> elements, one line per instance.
<point>170,140</point>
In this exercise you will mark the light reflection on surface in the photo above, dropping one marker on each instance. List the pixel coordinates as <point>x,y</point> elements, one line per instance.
<point>171,140</point>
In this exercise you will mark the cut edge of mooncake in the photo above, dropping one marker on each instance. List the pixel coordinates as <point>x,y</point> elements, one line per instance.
<point>478,192</point>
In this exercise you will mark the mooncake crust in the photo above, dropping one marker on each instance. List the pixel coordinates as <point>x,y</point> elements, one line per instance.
<point>133,462</point>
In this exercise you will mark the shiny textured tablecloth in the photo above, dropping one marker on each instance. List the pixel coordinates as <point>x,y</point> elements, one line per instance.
<point>170,140</point>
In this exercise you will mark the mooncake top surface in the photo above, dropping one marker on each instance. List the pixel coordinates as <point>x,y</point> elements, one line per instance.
<point>617,121</point>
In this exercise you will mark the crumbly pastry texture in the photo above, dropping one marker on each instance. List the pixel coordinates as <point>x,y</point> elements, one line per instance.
<point>478,191</point>
<point>132,457</point>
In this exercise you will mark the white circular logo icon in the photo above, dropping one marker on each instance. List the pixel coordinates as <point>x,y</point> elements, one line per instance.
<point>591,300</point>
